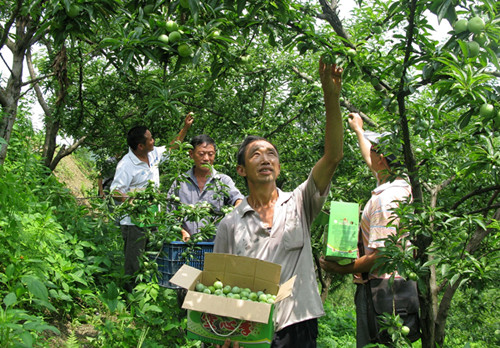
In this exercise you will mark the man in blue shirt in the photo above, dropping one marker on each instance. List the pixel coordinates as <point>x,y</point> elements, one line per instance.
<point>202,183</point>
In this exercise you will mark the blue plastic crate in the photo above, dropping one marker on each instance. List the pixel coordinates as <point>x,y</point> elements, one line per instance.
<point>170,260</point>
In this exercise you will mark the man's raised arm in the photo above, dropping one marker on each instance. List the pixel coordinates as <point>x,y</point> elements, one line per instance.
<point>188,121</point>
<point>331,82</point>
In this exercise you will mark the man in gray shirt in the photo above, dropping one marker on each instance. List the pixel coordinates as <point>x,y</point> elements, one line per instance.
<point>202,183</point>
<point>274,226</point>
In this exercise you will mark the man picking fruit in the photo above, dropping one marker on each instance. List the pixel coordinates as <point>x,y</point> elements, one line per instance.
<point>377,223</point>
<point>134,172</point>
<point>202,183</point>
<point>274,226</point>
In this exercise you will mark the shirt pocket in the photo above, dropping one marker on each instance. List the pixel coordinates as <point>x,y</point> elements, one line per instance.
<point>293,237</point>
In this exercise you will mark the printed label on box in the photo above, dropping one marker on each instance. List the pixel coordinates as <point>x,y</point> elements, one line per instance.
<point>342,237</point>
<point>211,328</point>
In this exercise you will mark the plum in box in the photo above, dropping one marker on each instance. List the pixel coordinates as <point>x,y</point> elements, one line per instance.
<point>212,318</point>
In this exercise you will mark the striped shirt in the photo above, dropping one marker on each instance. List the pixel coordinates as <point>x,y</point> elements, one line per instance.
<point>378,220</point>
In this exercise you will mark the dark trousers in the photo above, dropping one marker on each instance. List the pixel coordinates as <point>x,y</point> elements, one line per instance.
<point>134,243</point>
<point>300,335</point>
<point>362,330</point>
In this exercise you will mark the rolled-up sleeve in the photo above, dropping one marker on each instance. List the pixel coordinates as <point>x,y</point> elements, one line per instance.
<point>232,190</point>
<point>123,178</point>
<point>221,242</point>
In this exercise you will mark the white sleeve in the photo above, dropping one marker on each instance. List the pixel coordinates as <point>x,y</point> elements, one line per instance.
<point>123,178</point>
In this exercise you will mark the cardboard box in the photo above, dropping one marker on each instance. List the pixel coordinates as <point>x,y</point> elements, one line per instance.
<point>341,239</point>
<point>212,318</point>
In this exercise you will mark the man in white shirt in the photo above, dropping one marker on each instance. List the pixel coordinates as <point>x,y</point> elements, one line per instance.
<point>134,172</point>
<point>274,226</point>
<point>377,222</point>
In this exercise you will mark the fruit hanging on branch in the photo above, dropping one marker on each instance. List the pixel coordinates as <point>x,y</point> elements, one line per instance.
<point>475,25</point>
<point>163,38</point>
<point>473,48</point>
<point>174,36</point>
<point>184,50</point>
<point>460,26</point>
<point>171,26</point>
<point>487,111</point>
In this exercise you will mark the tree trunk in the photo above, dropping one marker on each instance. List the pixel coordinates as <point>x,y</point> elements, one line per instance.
<point>63,152</point>
<point>51,121</point>
<point>325,288</point>
<point>450,290</point>
<point>9,98</point>
<point>49,146</point>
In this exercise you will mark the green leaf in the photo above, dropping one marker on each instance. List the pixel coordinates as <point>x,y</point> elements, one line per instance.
<point>112,304</point>
<point>45,304</point>
<point>464,120</point>
<point>493,58</point>
<point>111,291</point>
<point>9,271</point>
<point>10,299</point>
<point>444,269</point>
<point>151,308</point>
<point>171,326</point>
<point>454,279</point>
<point>480,223</point>
<point>36,287</point>
<point>431,262</point>
<point>27,338</point>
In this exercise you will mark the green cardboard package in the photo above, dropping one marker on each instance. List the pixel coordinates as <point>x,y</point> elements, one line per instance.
<point>212,318</point>
<point>341,238</point>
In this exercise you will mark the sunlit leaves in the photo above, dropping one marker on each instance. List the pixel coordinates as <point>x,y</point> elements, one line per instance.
<point>484,157</point>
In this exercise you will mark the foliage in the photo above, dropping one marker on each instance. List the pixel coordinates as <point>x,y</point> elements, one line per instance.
<point>474,308</point>
<point>253,70</point>
<point>337,327</point>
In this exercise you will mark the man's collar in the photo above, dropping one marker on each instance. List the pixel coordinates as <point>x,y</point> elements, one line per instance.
<point>283,197</point>
<point>133,157</point>
<point>386,185</point>
<point>213,174</point>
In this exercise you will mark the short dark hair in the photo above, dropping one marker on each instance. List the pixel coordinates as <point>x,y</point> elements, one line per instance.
<point>243,147</point>
<point>202,139</point>
<point>136,136</point>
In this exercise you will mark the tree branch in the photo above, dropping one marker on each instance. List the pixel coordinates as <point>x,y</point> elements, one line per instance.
<point>6,64</point>
<point>63,152</point>
<point>485,209</point>
<point>471,248</point>
<point>331,16</point>
<point>8,25</point>
<point>343,102</point>
<point>492,199</point>
<point>36,80</point>
<point>436,189</point>
<point>474,193</point>
<point>36,86</point>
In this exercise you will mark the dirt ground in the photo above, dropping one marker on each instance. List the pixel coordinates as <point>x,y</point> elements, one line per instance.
<point>72,336</point>
<point>78,181</point>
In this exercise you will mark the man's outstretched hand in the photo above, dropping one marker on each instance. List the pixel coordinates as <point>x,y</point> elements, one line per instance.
<point>331,78</point>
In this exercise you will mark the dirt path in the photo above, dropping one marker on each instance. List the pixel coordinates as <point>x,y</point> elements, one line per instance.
<point>78,181</point>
